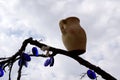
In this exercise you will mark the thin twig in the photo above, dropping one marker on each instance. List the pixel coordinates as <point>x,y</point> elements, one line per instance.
<point>10,71</point>
<point>19,72</point>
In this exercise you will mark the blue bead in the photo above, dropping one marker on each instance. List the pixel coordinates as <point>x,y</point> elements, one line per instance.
<point>47,62</point>
<point>1,72</point>
<point>22,62</point>
<point>35,51</point>
<point>26,64</point>
<point>91,74</point>
<point>26,57</point>
<point>51,61</point>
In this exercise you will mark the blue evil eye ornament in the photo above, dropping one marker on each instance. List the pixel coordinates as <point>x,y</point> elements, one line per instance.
<point>26,57</point>
<point>35,51</point>
<point>1,72</point>
<point>91,74</point>
<point>49,61</point>
<point>22,62</point>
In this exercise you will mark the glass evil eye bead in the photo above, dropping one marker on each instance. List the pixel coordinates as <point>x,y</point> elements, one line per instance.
<point>35,51</point>
<point>1,72</point>
<point>22,62</point>
<point>47,62</point>
<point>51,61</point>
<point>26,57</point>
<point>91,74</point>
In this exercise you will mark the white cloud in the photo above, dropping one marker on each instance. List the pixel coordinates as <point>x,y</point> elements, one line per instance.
<point>20,19</point>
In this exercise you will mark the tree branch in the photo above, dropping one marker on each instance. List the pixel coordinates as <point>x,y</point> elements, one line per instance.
<point>55,51</point>
<point>83,62</point>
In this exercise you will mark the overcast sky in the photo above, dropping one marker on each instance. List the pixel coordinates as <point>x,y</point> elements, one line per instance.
<point>21,19</point>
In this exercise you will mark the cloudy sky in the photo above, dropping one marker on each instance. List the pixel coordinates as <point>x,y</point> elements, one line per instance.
<point>21,19</point>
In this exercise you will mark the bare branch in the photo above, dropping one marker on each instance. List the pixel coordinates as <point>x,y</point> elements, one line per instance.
<point>10,61</point>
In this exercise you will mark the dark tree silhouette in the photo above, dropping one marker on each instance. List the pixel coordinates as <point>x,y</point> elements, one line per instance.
<point>9,61</point>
